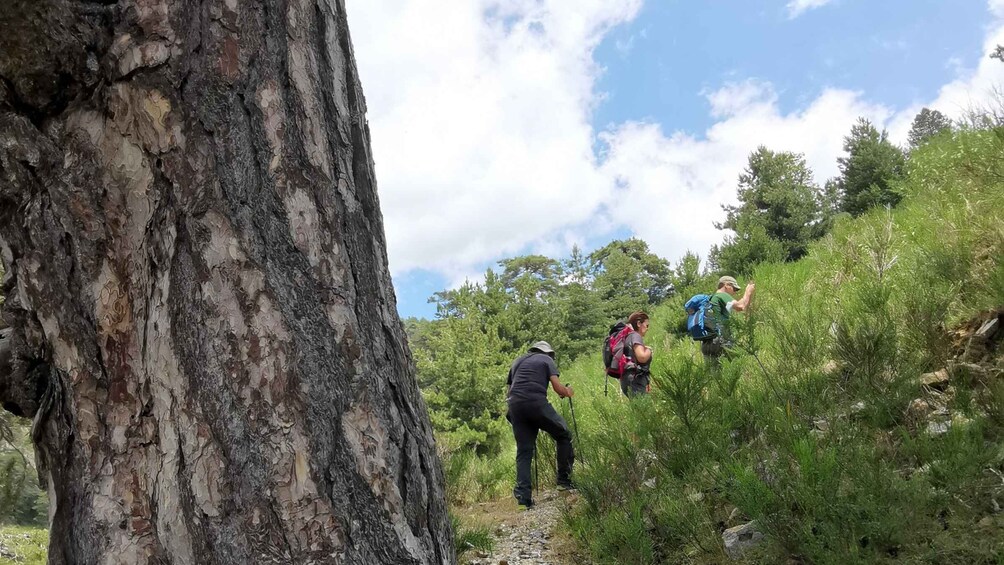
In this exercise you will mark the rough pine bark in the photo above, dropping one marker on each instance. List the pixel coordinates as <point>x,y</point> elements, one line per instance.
<point>202,324</point>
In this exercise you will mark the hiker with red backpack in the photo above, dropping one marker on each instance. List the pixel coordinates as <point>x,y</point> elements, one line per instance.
<point>530,412</point>
<point>627,357</point>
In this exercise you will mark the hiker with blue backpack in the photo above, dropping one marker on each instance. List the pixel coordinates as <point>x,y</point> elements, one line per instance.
<point>530,412</point>
<point>626,356</point>
<point>708,317</point>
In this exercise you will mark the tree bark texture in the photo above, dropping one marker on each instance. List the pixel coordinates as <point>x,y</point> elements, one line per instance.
<point>202,323</point>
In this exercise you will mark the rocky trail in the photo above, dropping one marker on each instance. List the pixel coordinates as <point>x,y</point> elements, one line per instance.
<point>526,537</point>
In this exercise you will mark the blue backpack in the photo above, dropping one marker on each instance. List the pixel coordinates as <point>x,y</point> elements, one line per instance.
<point>701,318</point>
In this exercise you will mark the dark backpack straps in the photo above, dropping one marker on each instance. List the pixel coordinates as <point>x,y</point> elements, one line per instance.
<point>520,364</point>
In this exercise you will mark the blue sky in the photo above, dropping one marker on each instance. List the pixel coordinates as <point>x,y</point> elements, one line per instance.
<point>522,126</point>
<point>658,64</point>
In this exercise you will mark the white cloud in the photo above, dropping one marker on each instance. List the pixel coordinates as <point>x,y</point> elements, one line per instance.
<point>798,7</point>
<point>673,186</point>
<point>974,87</point>
<point>997,8</point>
<point>479,112</point>
<point>480,117</point>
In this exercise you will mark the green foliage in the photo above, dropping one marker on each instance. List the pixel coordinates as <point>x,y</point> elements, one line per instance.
<point>739,254</point>
<point>870,171</point>
<point>823,459</point>
<point>27,546</point>
<point>462,365</point>
<point>21,500</point>
<point>687,272</point>
<point>780,212</point>
<point>777,193</point>
<point>927,124</point>
<point>628,277</point>
<point>805,426</point>
<point>471,538</point>
<point>471,479</point>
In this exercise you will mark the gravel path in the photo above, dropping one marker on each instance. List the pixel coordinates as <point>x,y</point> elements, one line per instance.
<point>532,537</point>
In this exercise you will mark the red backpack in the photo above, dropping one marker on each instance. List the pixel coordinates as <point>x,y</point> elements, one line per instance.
<point>615,356</point>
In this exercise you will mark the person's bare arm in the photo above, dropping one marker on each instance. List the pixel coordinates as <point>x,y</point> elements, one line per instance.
<point>562,390</point>
<point>743,303</point>
<point>642,353</point>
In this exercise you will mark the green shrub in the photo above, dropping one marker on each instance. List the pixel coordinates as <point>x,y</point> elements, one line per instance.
<point>22,502</point>
<point>471,478</point>
<point>471,538</point>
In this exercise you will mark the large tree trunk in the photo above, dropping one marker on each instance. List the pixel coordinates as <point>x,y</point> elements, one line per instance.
<point>202,320</point>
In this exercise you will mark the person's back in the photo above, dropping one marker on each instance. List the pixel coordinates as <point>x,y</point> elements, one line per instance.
<point>530,412</point>
<point>529,377</point>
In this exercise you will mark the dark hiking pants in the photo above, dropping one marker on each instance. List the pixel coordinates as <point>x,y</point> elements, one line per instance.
<point>527,418</point>
<point>634,383</point>
<point>713,351</point>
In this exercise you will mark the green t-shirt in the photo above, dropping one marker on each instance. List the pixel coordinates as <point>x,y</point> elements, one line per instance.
<point>720,306</point>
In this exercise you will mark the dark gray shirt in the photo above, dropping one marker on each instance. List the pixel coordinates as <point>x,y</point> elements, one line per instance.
<point>529,377</point>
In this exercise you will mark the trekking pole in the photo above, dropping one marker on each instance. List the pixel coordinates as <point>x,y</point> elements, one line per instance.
<point>536,470</point>
<point>575,426</point>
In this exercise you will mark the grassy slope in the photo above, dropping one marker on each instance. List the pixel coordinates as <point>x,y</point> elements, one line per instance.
<point>23,545</point>
<point>662,477</point>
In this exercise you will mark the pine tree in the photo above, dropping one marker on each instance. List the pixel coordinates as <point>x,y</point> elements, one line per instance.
<point>777,194</point>
<point>869,172</point>
<point>927,124</point>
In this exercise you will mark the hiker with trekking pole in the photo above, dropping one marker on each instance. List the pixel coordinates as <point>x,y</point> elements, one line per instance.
<point>530,412</point>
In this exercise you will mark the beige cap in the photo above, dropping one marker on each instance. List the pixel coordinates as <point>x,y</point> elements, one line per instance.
<point>729,280</point>
<point>543,347</point>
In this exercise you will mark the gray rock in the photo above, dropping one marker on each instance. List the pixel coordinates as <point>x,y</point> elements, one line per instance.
<point>988,330</point>
<point>938,428</point>
<point>936,380</point>
<point>740,538</point>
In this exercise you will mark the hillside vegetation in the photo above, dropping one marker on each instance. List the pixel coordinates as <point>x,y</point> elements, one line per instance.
<point>819,428</point>
<point>855,422</point>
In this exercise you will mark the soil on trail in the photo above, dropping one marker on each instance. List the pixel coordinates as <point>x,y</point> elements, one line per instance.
<point>526,537</point>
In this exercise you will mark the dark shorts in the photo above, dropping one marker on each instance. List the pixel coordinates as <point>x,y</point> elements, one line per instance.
<point>713,350</point>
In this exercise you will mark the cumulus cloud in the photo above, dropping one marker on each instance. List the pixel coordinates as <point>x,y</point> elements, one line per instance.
<point>479,113</point>
<point>974,88</point>
<point>672,186</point>
<point>480,117</point>
<point>798,7</point>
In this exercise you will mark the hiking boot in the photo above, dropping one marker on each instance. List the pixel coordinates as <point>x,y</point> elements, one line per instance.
<point>567,486</point>
<point>527,504</point>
